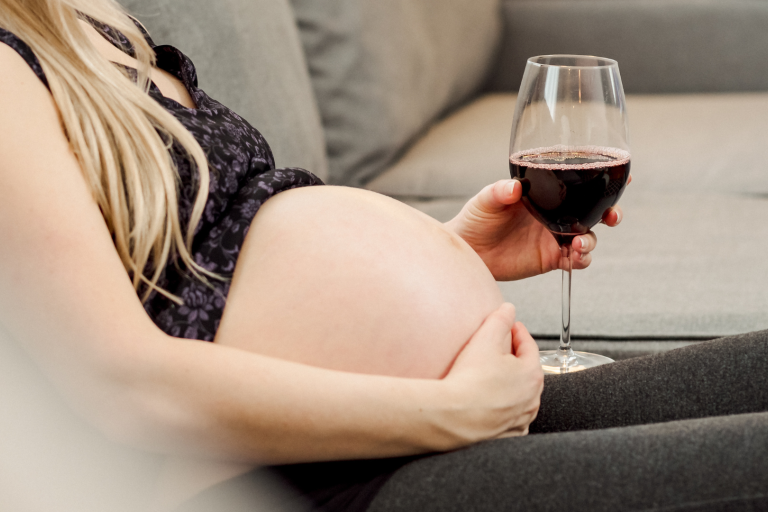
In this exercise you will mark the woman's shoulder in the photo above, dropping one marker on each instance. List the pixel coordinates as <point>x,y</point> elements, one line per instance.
<point>10,40</point>
<point>26,105</point>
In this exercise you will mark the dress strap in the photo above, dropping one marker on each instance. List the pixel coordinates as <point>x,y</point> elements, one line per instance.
<point>117,38</point>
<point>26,53</point>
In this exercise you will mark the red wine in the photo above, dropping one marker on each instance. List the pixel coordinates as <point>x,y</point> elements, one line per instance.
<point>569,188</point>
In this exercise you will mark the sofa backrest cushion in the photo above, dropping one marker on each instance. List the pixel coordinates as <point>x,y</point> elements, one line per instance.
<point>673,46</point>
<point>249,57</point>
<point>384,70</point>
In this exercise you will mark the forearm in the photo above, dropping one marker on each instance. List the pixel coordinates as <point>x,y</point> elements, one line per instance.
<point>225,403</point>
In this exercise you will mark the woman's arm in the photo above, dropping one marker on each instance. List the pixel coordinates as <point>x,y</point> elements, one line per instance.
<point>67,299</point>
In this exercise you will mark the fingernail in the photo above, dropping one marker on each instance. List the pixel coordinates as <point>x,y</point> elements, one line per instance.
<point>511,187</point>
<point>583,241</point>
<point>618,216</point>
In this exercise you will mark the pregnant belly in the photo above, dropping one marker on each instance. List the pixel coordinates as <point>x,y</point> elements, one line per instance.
<point>351,280</point>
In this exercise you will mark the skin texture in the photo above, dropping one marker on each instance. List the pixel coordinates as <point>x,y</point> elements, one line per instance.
<point>278,385</point>
<point>351,280</point>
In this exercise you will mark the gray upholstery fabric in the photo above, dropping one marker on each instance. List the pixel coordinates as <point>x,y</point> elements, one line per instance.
<point>249,57</point>
<point>707,142</point>
<point>661,46</point>
<point>688,258</point>
<point>382,71</point>
<point>679,264</point>
<point>457,156</point>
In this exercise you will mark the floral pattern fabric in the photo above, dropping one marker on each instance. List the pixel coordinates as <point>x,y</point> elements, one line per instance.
<point>243,177</point>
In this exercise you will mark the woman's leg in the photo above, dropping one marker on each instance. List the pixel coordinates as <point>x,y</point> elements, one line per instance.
<point>715,463</point>
<point>725,376</point>
<point>684,430</point>
<point>710,464</point>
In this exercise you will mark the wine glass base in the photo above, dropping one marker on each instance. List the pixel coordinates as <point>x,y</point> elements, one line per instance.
<point>557,361</point>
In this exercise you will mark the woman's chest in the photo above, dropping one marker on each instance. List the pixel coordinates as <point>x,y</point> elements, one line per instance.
<point>236,153</point>
<point>235,150</point>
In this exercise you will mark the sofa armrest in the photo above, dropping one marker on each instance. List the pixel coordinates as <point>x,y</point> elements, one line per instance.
<point>662,46</point>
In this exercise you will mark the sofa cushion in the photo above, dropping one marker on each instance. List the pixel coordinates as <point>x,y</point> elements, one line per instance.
<point>249,57</point>
<point>457,156</point>
<point>707,142</point>
<point>670,46</point>
<point>681,264</point>
<point>382,71</point>
<point>688,259</point>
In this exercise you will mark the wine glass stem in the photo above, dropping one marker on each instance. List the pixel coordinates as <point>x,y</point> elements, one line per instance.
<point>565,336</point>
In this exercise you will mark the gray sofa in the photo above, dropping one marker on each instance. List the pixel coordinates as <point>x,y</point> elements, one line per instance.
<point>414,99</point>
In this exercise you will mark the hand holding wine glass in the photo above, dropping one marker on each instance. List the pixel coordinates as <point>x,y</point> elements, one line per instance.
<point>511,242</point>
<point>570,150</point>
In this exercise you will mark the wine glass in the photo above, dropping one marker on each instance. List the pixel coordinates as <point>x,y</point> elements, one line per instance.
<point>570,150</point>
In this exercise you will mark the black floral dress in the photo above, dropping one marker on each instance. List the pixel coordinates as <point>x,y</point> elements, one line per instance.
<point>243,177</point>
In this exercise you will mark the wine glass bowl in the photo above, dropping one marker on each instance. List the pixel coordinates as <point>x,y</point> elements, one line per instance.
<point>569,188</point>
<point>569,148</point>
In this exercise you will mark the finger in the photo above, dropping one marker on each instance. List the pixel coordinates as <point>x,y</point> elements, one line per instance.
<point>523,345</point>
<point>507,191</point>
<point>585,243</point>
<point>495,198</point>
<point>581,260</point>
<point>495,332</point>
<point>517,432</point>
<point>629,180</point>
<point>612,216</point>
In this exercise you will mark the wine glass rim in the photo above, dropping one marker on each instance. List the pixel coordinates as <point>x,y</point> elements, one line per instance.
<point>602,62</point>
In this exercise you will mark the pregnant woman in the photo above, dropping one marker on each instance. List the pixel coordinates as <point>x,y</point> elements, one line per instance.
<point>188,297</point>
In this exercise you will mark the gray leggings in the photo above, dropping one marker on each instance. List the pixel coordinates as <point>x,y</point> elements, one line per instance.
<point>680,431</point>
<point>683,430</point>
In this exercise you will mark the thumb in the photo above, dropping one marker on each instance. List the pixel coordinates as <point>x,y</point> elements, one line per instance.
<point>495,198</point>
<point>495,334</point>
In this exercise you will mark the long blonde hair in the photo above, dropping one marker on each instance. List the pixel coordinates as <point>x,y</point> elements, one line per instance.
<point>120,135</point>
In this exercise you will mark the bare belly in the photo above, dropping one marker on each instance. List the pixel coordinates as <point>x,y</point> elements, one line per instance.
<point>351,280</point>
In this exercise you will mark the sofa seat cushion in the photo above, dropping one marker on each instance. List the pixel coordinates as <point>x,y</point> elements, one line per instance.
<point>249,57</point>
<point>689,257</point>
<point>382,71</point>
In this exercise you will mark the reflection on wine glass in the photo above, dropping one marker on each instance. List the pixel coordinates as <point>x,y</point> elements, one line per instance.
<point>545,189</point>
<point>570,150</point>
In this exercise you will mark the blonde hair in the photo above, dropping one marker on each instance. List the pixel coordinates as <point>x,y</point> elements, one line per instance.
<point>120,135</point>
